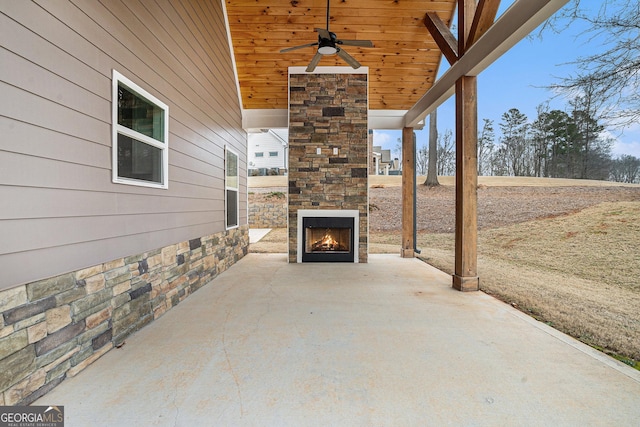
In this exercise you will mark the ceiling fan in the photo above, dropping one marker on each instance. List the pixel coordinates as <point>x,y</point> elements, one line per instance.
<point>328,44</point>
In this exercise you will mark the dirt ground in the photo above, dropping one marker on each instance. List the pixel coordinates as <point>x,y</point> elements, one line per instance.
<point>498,206</point>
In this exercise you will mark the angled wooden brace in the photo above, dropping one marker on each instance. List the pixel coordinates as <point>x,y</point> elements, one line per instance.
<point>483,19</point>
<point>443,37</point>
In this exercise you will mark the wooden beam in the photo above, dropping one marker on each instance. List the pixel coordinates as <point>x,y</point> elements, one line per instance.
<point>408,196</point>
<point>465,276</point>
<point>466,10</point>
<point>483,19</point>
<point>512,26</point>
<point>443,37</point>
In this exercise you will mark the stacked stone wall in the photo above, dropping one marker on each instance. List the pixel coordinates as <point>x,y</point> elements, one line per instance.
<point>54,328</point>
<point>268,215</point>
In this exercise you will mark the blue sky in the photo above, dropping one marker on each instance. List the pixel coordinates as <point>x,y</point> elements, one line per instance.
<point>517,80</point>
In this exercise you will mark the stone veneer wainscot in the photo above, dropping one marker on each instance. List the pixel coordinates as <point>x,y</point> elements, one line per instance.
<point>329,112</point>
<point>54,328</point>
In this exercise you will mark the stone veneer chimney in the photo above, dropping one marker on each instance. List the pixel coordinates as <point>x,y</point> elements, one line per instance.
<point>328,149</point>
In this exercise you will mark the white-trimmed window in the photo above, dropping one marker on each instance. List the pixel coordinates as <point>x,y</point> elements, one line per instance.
<point>260,154</point>
<point>273,154</point>
<point>140,137</point>
<point>231,184</point>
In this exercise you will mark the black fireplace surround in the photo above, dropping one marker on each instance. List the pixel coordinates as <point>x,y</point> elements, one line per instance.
<point>328,239</point>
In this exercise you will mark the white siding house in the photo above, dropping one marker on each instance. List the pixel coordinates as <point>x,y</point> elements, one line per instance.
<point>267,151</point>
<point>383,164</point>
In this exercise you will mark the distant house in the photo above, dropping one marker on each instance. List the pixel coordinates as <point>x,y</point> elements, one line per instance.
<point>267,152</point>
<point>382,162</point>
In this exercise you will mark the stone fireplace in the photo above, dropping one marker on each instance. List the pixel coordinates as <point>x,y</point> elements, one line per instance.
<point>328,165</point>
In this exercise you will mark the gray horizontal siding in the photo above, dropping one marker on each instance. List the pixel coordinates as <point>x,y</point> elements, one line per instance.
<point>35,79</point>
<point>37,202</point>
<point>30,171</point>
<point>31,108</point>
<point>93,253</point>
<point>19,234</point>
<point>51,144</point>
<point>43,51</point>
<point>60,211</point>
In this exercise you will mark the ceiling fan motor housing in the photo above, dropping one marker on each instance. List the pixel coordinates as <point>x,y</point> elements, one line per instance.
<point>326,46</point>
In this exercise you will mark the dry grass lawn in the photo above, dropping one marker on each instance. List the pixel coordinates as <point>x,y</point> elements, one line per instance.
<point>578,271</point>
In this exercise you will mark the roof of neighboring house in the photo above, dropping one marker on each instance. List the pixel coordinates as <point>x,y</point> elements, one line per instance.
<point>385,154</point>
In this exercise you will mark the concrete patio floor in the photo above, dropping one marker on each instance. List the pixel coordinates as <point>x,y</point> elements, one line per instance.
<point>388,343</point>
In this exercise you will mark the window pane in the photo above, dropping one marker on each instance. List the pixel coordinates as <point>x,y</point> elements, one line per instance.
<point>137,160</point>
<point>140,115</point>
<point>232,170</point>
<point>232,208</point>
<point>259,154</point>
<point>273,154</point>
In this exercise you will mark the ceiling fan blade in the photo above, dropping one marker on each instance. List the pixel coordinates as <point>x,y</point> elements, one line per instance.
<point>324,33</point>
<point>289,49</point>
<point>361,43</point>
<point>348,58</point>
<point>314,62</point>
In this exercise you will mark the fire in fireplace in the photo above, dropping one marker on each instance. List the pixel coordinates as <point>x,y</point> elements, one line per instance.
<point>332,239</point>
<point>328,239</point>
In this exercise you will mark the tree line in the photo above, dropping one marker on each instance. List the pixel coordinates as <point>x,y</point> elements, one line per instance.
<point>555,144</point>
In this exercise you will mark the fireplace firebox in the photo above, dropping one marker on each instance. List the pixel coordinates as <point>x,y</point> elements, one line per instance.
<point>328,239</point>
<point>327,235</point>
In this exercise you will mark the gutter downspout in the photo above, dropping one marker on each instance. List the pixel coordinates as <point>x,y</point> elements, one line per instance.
<point>415,199</point>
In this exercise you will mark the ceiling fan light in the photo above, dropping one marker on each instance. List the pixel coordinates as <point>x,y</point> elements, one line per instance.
<point>327,48</point>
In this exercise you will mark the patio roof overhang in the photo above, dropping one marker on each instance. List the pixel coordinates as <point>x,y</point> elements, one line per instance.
<point>480,41</point>
<point>522,17</point>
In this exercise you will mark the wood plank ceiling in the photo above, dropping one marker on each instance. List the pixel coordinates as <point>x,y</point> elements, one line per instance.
<point>402,64</point>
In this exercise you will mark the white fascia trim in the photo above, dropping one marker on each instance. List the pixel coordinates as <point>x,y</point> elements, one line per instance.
<point>233,56</point>
<point>265,119</point>
<point>255,119</point>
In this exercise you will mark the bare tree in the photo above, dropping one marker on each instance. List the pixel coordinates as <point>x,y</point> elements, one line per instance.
<point>626,168</point>
<point>615,72</point>
<point>446,154</point>
<point>422,160</point>
<point>398,152</point>
<point>497,162</point>
<point>540,141</point>
<point>486,143</point>
<point>432,171</point>
<point>589,143</point>
<point>514,140</point>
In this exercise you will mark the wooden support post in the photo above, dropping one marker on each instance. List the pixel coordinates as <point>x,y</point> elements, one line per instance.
<point>465,276</point>
<point>408,184</point>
